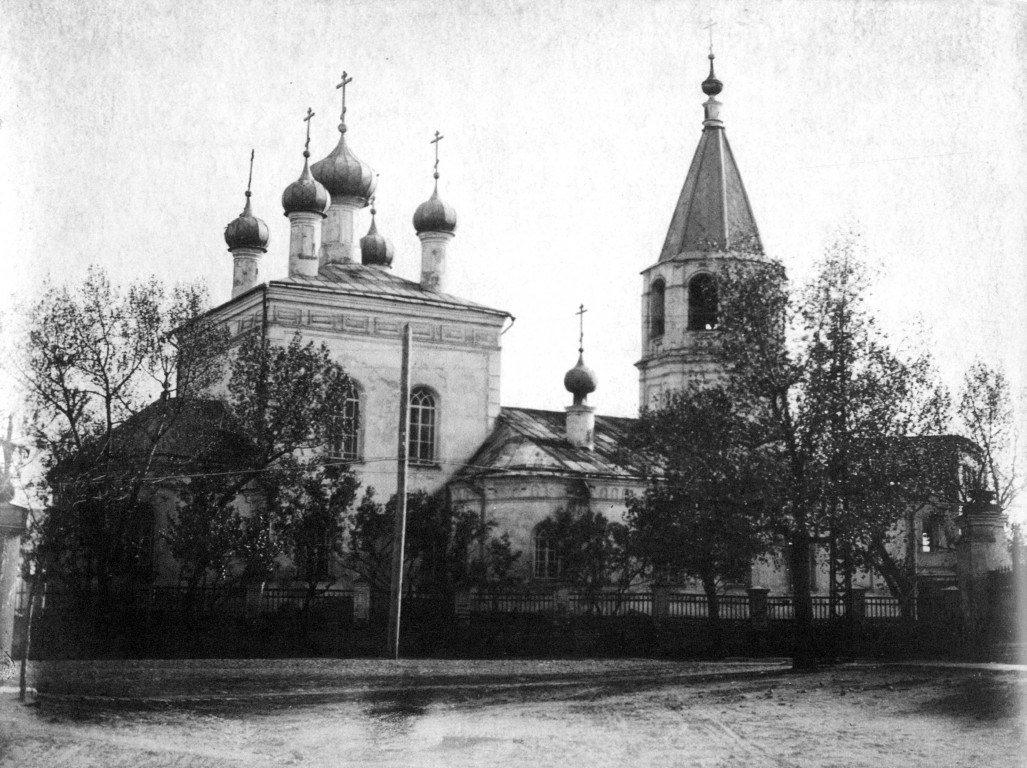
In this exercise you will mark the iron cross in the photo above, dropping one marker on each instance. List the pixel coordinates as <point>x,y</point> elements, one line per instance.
<point>438,137</point>
<point>310,114</point>
<point>249,181</point>
<point>710,27</point>
<point>346,80</point>
<point>581,327</point>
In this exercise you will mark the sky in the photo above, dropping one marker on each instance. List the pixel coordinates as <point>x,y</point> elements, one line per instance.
<point>569,127</point>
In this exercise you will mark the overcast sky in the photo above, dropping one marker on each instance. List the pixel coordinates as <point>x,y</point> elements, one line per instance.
<point>569,129</point>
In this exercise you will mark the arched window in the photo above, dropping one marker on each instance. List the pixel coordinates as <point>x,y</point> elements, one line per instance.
<point>345,440</point>
<point>546,560</point>
<point>702,303</point>
<point>423,419</point>
<point>657,300</point>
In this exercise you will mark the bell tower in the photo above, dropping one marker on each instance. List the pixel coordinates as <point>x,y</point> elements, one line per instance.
<point>712,224</point>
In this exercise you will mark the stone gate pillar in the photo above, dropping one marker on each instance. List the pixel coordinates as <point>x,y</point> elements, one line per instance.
<point>13,520</point>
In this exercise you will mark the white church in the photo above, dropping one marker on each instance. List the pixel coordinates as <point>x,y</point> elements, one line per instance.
<point>514,465</point>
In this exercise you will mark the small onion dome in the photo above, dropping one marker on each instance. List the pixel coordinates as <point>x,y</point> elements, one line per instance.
<point>344,174</point>
<point>711,86</point>
<point>375,249</point>
<point>433,215</point>
<point>306,194</point>
<point>580,380</point>
<point>247,231</point>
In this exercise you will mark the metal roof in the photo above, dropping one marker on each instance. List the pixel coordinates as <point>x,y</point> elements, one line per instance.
<point>527,440</point>
<point>360,280</point>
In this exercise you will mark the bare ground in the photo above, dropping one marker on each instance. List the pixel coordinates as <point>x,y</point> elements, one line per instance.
<point>512,713</point>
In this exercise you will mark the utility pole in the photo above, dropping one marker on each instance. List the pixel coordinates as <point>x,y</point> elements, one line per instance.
<point>400,527</point>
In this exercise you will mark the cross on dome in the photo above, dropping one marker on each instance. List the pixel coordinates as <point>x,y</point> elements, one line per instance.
<point>346,80</point>
<point>438,137</point>
<point>306,145</point>
<point>581,327</point>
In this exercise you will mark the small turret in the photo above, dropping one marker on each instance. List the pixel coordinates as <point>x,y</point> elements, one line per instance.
<point>247,238</point>
<point>375,249</point>
<point>305,202</point>
<point>581,381</point>
<point>435,223</point>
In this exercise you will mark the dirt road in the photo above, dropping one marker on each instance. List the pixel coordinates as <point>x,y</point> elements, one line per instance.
<point>512,713</point>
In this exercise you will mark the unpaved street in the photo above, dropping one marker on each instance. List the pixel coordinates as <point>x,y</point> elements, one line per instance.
<point>512,713</point>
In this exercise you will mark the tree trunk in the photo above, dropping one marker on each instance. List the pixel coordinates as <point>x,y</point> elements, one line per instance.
<point>709,585</point>
<point>803,657</point>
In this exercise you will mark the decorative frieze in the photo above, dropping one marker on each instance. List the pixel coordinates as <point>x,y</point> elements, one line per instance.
<point>356,324</point>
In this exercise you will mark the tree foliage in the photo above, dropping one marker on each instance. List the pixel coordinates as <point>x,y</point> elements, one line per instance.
<point>448,547</point>
<point>279,492</point>
<point>594,554</point>
<point>843,410</point>
<point>94,360</point>
<point>708,509</point>
<point>988,416</point>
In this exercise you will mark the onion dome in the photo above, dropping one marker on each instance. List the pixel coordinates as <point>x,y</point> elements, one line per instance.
<point>433,215</point>
<point>306,194</point>
<point>247,231</point>
<point>711,86</point>
<point>375,249</point>
<point>343,173</point>
<point>580,380</point>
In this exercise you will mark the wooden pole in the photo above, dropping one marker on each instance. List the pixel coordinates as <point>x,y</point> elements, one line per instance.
<point>400,526</point>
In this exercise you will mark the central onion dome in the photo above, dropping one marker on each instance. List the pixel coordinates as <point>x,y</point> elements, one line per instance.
<point>375,249</point>
<point>580,380</point>
<point>344,174</point>
<point>433,215</point>
<point>306,194</point>
<point>247,231</point>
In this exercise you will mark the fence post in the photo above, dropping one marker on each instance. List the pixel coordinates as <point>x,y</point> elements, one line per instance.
<point>661,601</point>
<point>254,598</point>
<point>759,613</point>
<point>361,604</point>
<point>462,606</point>
<point>859,604</point>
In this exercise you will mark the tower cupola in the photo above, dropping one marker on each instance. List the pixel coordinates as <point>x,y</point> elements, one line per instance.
<point>435,223</point>
<point>581,382</point>
<point>351,183</point>
<point>247,238</point>
<point>375,249</point>
<point>305,202</point>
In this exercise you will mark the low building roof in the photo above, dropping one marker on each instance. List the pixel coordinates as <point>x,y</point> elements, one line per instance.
<point>532,441</point>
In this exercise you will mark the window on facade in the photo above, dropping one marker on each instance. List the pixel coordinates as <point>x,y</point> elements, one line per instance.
<point>702,303</point>
<point>346,431</point>
<point>925,541</point>
<point>546,562</point>
<point>423,419</point>
<point>657,300</point>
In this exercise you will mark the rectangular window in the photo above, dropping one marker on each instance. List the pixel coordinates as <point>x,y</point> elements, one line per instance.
<point>547,563</point>
<point>345,440</point>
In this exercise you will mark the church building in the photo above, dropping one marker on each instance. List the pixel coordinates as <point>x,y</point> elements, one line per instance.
<point>516,466</point>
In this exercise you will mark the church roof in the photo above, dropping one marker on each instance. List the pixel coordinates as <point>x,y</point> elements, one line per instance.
<point>713,211</point>
<point>531,441</point>
<point>359,280</point>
